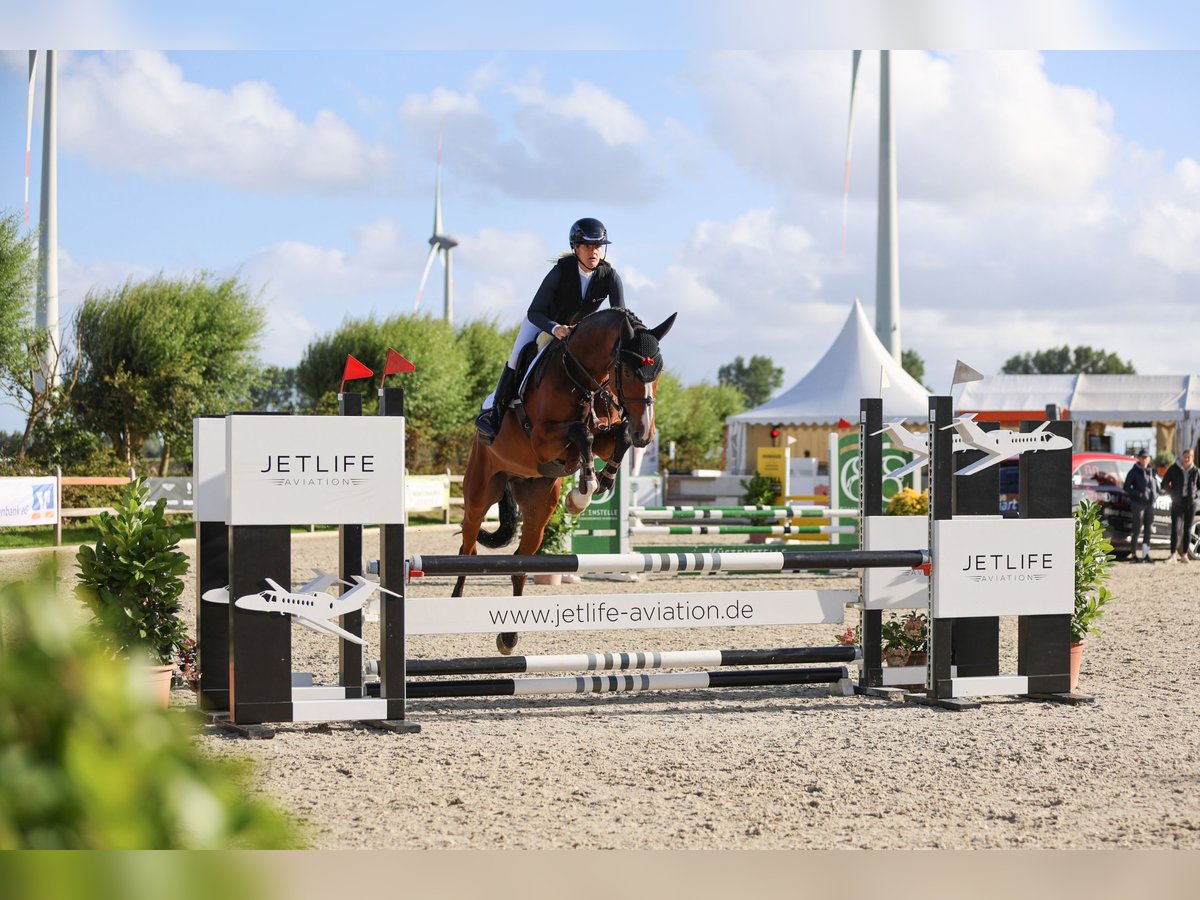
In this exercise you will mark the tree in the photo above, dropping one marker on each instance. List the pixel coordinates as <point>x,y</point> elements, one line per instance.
<point>756,380</point>
<point>1063,361</point>
<point>157,353</point>
<point>911,362</point>
<point>438,410</point>
<point>486,348</point>
<point>273,389</point>
<point>694,418</point>
<point>16,290</point>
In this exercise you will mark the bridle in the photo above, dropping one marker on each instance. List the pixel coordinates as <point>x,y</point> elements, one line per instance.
<point>597,393</point>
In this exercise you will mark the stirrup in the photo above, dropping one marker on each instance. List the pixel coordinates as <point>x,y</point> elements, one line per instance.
<point>487,426</point>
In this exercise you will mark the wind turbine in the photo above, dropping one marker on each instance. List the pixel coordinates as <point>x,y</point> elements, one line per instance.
<point>887,276</point>
<point>47,284</point>
<point>440,245</point>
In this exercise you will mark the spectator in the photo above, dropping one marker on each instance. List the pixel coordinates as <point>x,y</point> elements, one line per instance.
<point>1141,484</point>
<point>1180,479</point>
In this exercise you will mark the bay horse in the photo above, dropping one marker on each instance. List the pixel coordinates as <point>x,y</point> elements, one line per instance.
<point>591,395</point>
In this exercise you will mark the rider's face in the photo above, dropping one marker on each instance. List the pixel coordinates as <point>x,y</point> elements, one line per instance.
<point>589,254</point>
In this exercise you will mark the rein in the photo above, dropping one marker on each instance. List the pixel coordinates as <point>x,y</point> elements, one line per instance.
<point>596,391</point>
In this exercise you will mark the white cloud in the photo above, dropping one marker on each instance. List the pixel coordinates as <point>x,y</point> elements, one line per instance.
<point>1168,224</point>
<point>136,112</point>
<point>583,145</point>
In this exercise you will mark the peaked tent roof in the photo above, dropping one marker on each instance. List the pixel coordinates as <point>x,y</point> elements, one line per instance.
<point>847,372</point>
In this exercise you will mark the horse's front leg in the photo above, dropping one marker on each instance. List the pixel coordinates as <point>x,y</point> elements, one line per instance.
<point>580,438</point>
<point>612,462</point>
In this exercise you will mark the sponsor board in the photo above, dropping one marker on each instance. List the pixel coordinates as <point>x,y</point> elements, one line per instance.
<point>208,469</point>
<point>29,501</point>
<point>991,566</point>
<point>288,470</point>
<point>899,588</point>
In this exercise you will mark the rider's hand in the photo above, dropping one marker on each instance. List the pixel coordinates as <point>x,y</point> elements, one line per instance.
<point>561,331</point>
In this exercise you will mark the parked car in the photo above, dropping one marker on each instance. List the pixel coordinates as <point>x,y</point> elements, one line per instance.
<point>1101,477</point>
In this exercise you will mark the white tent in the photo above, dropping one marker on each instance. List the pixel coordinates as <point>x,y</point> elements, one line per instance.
<point>849,370</point>
<point>1089,398</point>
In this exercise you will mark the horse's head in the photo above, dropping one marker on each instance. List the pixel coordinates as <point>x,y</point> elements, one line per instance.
<point>640,364</point>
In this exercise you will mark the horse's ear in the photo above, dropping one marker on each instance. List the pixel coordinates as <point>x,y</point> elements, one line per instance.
<point>627,330</point>
<point>660,331</point>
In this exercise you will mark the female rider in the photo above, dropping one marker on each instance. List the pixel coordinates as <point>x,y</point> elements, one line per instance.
<point>576,286</point>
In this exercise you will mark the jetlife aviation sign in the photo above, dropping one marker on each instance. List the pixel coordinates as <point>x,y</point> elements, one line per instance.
<point>324,470</point>
<point>989,566</point>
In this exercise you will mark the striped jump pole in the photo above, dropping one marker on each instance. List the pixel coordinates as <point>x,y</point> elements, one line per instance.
<point>658,513</point>
<point>742,529</point>
<point>630,683</point>
<point>619,662</point>
<point>773,561</point>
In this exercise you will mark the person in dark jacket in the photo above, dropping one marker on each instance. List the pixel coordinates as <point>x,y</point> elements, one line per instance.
<point>1181,481</point>
<point>578,284</point>
<point>1141,484</point>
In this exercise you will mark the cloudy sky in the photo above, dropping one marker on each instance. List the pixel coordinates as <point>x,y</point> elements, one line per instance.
<point>1046,197</point>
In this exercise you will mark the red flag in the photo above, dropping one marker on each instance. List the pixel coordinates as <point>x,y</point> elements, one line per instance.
<point>353,371</point>
<point>842,424</point>
<point>396,364</point>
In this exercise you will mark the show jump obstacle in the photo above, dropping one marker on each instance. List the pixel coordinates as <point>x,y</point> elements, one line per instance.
<point>257,475</point>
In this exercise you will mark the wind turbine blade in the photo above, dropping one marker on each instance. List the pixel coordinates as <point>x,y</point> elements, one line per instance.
<point>437,192</point>
<point>857,55</point>
<point>425,275</point>
<point>33,54</point>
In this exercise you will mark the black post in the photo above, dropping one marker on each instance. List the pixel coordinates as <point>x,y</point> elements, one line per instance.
<point>870,443</point>
<point>941,508</point>
<point>977,639</point>
<point>212,619</point>
<point>1044,642</point>
<point>350,557</point>
<point>260,643</point>
<point>392,577</point>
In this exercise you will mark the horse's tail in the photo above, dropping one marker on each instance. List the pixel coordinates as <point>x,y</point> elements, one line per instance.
<point>507,530</point>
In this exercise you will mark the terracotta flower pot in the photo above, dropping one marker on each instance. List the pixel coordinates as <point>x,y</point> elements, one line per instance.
<point>1076,660</point>
<point>896,656</point>
<point>159,680</point>
<point>549,578</point>
<point>918,658</point>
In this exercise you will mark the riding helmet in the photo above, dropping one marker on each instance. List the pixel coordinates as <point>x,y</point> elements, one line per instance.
<point>588,231</point>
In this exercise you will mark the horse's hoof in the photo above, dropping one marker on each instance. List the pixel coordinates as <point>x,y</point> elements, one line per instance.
<point>507,642</point>
<point>577,502</point>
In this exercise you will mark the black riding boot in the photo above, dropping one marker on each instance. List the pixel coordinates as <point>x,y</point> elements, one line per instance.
<point>488,421</point>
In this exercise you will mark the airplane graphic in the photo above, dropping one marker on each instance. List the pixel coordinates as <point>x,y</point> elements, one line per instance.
<point>320,583</point>
<point>1000,445</point>
<point>314,610</point>
<point>916,444</point>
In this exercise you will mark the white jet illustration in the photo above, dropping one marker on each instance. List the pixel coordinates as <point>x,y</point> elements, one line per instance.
<point>314,610</point>
<point>1000,445</point>
<point>916,444</point>
<point>320,583</point>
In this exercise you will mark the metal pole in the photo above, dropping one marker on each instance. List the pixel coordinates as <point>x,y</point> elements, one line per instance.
<point>887,276</point>
<point>47,292</point>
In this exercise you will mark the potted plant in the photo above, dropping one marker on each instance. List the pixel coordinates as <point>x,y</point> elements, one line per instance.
<point>555,539</point>
<point>131,580</point>
<point>1093,565</point>
<point>1163,460</point>
<point>904,640</point>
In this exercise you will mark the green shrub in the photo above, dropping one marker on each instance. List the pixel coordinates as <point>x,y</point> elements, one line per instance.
<point>132,579</point>
<point>760,490</point>
<point>558,527</point>
<point>1093,566</point>
<point>88,762</point>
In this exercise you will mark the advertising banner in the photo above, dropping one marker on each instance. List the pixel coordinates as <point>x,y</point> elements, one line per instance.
<point>29,501</point>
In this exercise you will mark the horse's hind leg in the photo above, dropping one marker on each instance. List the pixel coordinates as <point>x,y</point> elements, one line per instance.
<point>537,498</point>
<point>481,488</point>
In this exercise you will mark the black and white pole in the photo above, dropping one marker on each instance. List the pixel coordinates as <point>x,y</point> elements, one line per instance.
<point>350,557</point>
